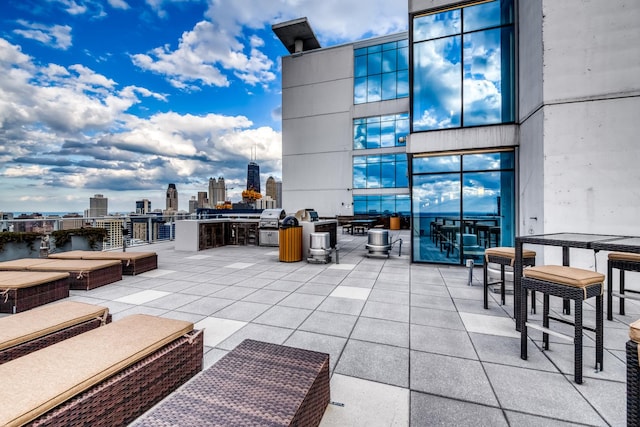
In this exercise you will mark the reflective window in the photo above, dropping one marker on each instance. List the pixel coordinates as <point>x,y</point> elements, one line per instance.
<point>380,131</point>
<point>385,171</point>
<point>463,67</point>
<point>382,205</point>
<point>381,72</point>
<point>462,204</point>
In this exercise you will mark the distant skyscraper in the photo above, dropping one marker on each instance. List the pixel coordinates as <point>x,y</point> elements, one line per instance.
<point>203,201</point>
<point>270,189</point>
<point>98,206</point>
<point>172,198</point>
<point>193,204</point>
<point>143,206</point>
<point>253,177</point>
<point>279,194</point>
<point>217,191</point>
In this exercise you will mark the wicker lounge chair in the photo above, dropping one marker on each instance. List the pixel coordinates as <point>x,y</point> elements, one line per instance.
<point>633,375</point>
<point>40,327</point>
<point>132,262</point>
<point>23,290</point>
<point>104,377</point>
<point>83,274</point>
<point>257,383</point>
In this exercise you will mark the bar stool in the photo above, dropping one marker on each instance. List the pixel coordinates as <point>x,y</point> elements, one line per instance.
<point>505,256</point>
<point>633,375</point>
<point>622,261</point>
<point>569,283</point>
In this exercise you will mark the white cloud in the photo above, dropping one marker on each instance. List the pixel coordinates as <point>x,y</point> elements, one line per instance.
<point>217,44</point>
<point>119,4</point>
<point>56,36</point>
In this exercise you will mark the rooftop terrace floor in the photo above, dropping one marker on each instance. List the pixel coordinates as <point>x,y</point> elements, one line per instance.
<point>409,344</point>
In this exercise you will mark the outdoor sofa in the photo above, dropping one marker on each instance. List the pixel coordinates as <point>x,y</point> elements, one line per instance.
<point>24,290</point>
<point>83,274</point>
<point>132,262</point>
<point>26,332</point>
<point>104,377</point>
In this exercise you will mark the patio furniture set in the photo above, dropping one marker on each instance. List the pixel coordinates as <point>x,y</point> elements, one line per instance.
<point>66,363</point>
<point>30,282</point>
<point>578,285</point>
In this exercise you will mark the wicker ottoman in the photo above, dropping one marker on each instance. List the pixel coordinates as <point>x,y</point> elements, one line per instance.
<point>24,290</point>
<point>40,327</point>
<point>572,284</point>
<point>257,383</point>
<point>633,375</point>
<point>622,261</point>
<point>504,256</point>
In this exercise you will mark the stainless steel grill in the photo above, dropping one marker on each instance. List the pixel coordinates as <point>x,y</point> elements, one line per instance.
<point>268,226</point>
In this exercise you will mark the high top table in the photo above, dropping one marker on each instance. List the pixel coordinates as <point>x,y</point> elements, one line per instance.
<point>595,242</point>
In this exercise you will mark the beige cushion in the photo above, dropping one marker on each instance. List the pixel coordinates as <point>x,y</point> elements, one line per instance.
<point>634,331</point>
<point>570,276</point>
<point>508,252</point>
<point>37,382</point>
<point>73,265</point>
<point>22,264</point>
<point>26,279</point>
<point>101,255</point>
<point>40,321</point>
<point>624,256</point>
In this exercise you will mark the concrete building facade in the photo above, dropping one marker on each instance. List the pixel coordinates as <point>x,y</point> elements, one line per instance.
<point>534,133</point>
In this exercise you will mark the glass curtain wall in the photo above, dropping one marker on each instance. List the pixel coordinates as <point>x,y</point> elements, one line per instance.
<point>463,67</point>
<point>462,204</point>
<point>381,72</point>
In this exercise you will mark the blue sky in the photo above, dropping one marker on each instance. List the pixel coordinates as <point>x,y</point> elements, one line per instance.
<point>123,97</point>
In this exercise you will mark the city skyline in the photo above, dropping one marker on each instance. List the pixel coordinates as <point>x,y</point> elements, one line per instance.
<point>123,97</point>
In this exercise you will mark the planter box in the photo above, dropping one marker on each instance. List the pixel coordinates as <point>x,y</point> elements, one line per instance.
<point>14,250</point>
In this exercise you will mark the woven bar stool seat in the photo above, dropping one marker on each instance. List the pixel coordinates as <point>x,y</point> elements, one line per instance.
<point>633,375</point>
<point>504,255</point>
<point>622,261</point>
<point>569,283</point>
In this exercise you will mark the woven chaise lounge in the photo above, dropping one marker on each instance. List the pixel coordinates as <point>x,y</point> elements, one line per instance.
<point>132,262</point>
<point>104,377</point>
<point>40,327</point>
<point>83,274</point>
<point>256,384</point>
<point>24,290</point>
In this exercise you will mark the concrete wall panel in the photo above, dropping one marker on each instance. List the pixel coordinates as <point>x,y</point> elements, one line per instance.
<point>591,48</point>
<point>591,174</point>
<point>320,134</point>
<point>317,67</point>
<point>463,139</point>
<point>530,87</point>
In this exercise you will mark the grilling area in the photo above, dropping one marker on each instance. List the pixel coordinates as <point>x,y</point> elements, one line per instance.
<point>407,344</point>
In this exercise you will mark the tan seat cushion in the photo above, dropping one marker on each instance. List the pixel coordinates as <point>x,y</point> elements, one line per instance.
<point>508,252</point>
<point>26,279</point>
<point>99,255</point>
<point>624,256</point>
<point>22,264</point>
<point>570,276</point>
<point>634,331</point>
<point>37,382</point>
<point>73,265</point>
<point>44,320</point>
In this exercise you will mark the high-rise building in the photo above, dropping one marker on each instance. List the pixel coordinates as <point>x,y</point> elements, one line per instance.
<point>193,204</point>
<point>114,227</point>
<point>143,206</point>
<point>253,177</point>
<point>172,198</point>
<point>484,109</point>
<point>98,206</point>
<point>217,191</point>
<point>203,201</point>
<point>270,187</point>
<point>279,194</point>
